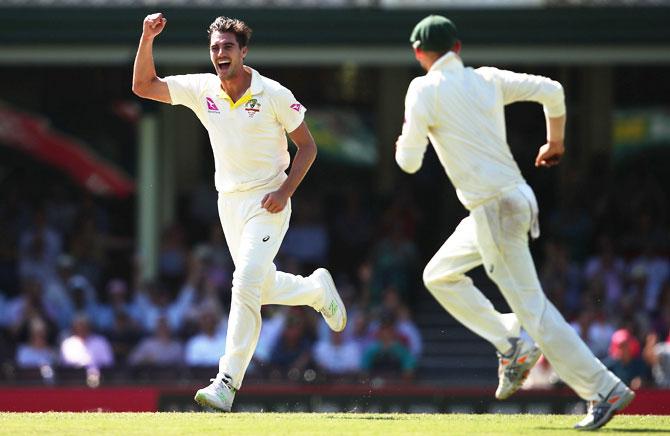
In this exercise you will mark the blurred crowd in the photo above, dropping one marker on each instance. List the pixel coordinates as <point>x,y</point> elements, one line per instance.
<point>72,292</point>
<point>606,267</point>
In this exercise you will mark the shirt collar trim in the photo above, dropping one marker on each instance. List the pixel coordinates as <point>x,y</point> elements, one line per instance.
<point>255,88</point>
<point>448,61</point>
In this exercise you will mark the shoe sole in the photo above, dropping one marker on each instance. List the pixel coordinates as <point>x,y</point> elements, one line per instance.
<point>517,385</point>
<point>332,289</point>
<point>203,401</point>
<point>621,404</point>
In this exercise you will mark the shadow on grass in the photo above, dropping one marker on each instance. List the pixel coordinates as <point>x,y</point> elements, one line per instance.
<point>355,416</point>
<point>614,429</point>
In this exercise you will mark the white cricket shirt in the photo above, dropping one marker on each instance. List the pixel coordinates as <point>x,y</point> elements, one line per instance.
<point>247,137</point>
<point>461,111</point>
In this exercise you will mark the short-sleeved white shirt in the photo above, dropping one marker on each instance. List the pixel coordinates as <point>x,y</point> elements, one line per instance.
<point>248,137</point>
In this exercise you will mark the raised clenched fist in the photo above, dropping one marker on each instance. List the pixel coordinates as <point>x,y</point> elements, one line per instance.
<point>153,25</point>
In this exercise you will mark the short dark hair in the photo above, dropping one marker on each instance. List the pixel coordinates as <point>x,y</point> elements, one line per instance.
<point>231,25</point>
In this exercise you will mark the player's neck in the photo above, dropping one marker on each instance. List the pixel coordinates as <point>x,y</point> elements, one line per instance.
<point>236,86</point>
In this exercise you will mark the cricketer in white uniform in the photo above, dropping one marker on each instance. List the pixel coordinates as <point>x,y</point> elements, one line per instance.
<point>247,117</point>
<point>461,111</point>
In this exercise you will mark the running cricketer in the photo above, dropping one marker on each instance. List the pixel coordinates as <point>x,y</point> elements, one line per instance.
<point>461,111</point>
<point>246,116</point>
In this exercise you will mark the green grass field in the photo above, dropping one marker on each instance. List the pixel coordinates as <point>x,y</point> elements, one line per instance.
<point>164,424</point>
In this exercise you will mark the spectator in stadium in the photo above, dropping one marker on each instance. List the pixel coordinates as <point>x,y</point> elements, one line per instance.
<point>361,331</point>
<point>85,299</point>
<point>351,231</point>
<point>624,358</point>
<point>560,277</point>
<point>85,349</point>
<point>657,355</point>
<point>118,301</point>
<point>404,326</point>
<point>307,239</point>
<point>387,354</point>
<point>337,355</point>
<point>153,301</point>
<point>89,246</point>
<point>572,224</point>
<point>123,335</point>
<point>39,247</point>
<point>57,293</point>
<point>657,271</point>
<point>274,320</point>
<point>631,305</point>
<point>394,264</point>
<point>161,349</point>
<point>173,256</point>
<point>220,270</point>
<point>37,351</point>
<point>606,270</point>
<point>293,351</point>
<point>595,329</point>
<point>661,313</point>
<point>25,307</point>
<point>204,349</point>
<point>198,291</point>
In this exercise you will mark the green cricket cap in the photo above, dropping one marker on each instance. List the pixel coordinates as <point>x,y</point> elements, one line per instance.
<point>434,33</point>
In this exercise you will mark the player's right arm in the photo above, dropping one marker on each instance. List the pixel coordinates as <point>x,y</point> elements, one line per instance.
<point>146,83</point>
<point>413,141</point>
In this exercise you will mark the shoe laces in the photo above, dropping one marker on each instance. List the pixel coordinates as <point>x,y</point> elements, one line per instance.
<point>224,379</point>
<point>513,371</point>
<point>597,408</point>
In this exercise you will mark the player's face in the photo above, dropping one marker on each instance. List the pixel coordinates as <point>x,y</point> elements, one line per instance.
<point>226,55</point>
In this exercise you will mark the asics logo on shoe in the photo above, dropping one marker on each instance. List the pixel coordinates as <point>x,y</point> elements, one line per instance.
<point>332,307</point>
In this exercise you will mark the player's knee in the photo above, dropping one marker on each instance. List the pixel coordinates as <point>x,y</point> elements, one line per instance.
<point>431,277</point>
<point>428,276</point>
<point>245,294</point>
<point>247,286</point>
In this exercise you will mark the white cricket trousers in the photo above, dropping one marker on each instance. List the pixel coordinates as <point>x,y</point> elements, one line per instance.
<point>495,234</point>
<point>254,236</point>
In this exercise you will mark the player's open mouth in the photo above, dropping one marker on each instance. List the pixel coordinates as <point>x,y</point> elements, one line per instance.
<point>223,66</point>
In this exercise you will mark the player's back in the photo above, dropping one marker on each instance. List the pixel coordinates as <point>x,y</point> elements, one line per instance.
<point>468,130</point>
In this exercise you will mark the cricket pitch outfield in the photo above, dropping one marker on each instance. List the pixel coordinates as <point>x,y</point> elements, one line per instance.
<point>168,423</point>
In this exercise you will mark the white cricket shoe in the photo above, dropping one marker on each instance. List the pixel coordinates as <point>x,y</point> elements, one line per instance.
<point>513,369</point>
<point>333,309</point>
<point>601,411</point>
<point>218,395</point>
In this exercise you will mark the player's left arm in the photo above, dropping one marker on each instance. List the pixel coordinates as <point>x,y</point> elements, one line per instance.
<point>275,202</point>
<point>551,152</point>
<point>549,93</point>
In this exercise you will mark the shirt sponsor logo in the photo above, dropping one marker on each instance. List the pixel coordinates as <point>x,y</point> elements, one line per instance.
<point>252,107</point>
<point>211,106</point>
<point>296,107</point>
